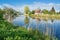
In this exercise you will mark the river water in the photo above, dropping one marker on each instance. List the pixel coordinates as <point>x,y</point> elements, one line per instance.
<point>53,26</point>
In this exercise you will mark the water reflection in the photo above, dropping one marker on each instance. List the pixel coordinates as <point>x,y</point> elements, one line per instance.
<point>47,26</point>
<point>37,22</point>
<point>26,21</point>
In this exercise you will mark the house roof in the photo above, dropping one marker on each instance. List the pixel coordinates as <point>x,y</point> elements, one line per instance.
<point>37,11</point>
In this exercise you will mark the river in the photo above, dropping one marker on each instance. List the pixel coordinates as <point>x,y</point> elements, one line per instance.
<point>53,26</point>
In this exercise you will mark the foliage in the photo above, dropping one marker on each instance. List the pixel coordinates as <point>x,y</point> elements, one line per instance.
<point>52,10</point>
<point>11,11</point>
<point>1,14</point>
<point>45,11</point>
<point>10,32</point>
<point>26,9</point>
<point>33,12</point>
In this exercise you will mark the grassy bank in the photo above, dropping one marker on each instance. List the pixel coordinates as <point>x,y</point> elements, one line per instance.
<point>45,16</point>
<point>10,32</point>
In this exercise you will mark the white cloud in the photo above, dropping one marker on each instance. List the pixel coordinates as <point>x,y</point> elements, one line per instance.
<point>34,6</point>
<point>44,6</point>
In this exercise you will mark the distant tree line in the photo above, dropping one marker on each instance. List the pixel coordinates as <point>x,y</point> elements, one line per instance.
<point>44,11</point>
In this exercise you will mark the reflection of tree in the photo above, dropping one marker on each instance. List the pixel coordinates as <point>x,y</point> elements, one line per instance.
<point>37,23</point>
<point>52,30</point>
<point>46,33</point>
<point>47,29</point>
<point>26,21</point>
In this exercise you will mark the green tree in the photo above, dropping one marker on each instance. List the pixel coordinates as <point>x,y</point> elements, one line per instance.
<point>58,12</point>
<point>26,10</point>
<point>10,14</point>
<point>33,12</point>
<point>52,10</point>
<point>45,11</point>
<point>1,13</point>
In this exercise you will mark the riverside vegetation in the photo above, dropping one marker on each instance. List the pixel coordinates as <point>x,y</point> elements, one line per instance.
<point>8,31</point>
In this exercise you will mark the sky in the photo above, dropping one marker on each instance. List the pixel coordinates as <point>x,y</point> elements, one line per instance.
<point>33,4</point>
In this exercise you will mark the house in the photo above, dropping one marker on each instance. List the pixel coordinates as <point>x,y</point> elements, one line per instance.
<point>38,11</point>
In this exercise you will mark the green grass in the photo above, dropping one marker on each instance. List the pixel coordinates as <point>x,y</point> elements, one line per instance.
<point>10,32</point>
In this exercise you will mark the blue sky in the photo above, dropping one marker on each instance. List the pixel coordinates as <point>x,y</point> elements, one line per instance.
<point>21,2</point>
<point>33,4</point>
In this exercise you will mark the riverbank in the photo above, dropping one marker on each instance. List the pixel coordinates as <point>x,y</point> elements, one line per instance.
<point>10,32</point>
<point>44,16</point>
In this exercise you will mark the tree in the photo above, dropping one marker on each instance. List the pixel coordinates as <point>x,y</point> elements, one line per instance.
<point>58,12</point>
<point>1,13</point>
<point>26,10</point>
<point>10,14</point>
<point>45,11</point>
<point>52,10</point>
<point>33,12</point>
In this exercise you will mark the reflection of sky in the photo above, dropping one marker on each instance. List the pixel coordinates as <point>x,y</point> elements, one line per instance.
<point>19,21</point>
<point>41,25</point>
